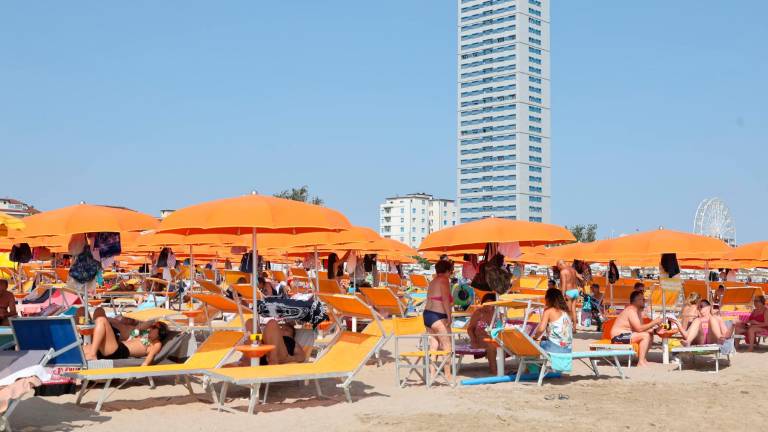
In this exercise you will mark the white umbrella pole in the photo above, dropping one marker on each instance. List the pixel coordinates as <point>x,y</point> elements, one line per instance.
<point>254,280</point>
<point>317,274</point>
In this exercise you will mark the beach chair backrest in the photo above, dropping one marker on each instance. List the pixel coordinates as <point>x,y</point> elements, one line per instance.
<point>209,274</point>
<point>695,286</point>
<point>419,281</point>
<point>219,302</point>
<point>382,298</point>
<point>299,272</point>
<point>620,293</point>
<point>215,349</point>
<point>738,296</point>
<point>347,305</point>
<point>519,343</point>
<point>329,286</point>
<point>58,333</point>
<point>533,282</point>
<point>393,279</point>
<point>408,326</point>
<point>733,284</point>
<point>232,277</point>
<point>210,287</point>
<point>62,274</point>
<point>278,276</point>
<point>349,352</point>
<point>667,293</point>
<point>246,291</point>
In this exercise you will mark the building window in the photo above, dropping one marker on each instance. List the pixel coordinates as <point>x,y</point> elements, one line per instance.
<point>534,219</point>
<point>535,31</point>
<point>534,179</point>
<point>534,119</point>
<point>534,60</point>
<point>534,149</point>
<point>534,168</point>
<point>535,109</point>
<point>533,138</point>
<point>533,89</point>
<point>535,159</point>
<point>535,70</point>
<point>534,129</point>
<point>533,50</point>
<point>536,189</point>
<point>534,11</point>
<point>402,229</point>
<point>534,198</point>
<point>534,41</point>
<point>534,99</point>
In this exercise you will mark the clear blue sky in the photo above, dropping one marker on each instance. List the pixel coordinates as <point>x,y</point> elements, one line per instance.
<point>656,105</point>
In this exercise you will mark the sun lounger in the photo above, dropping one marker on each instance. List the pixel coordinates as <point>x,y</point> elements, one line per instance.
<point>421,360</point>
<point>726,349</point>
<point>384,300</point>
<point>211,354</point>
<point>419,281</point>
<point>342,359</point>
<point>41,343</point>
<point>529,352</point>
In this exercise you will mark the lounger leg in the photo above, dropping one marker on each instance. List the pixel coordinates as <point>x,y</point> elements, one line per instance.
<point>223,394</point>
<point>188,385</point>
<point>347,393</point>
<point>520,370</point>
<point>103,396</point>
<point>593,363</point>
<point>254,397</point>
<point>542,373</point>
<point>81,393</point>
<point>617,365</point>
<point>317,387</point>
<point>717,362</point>
<point>266,390</point>
<point>151,383</point>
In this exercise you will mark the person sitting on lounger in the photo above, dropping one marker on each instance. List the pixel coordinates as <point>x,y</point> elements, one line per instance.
<point>717,298</point>
<point>756,323</point>
<point>282,337</point>
<point>708,328</point>
<point>477,330</point>
<point>143,343</point>
<point>7,303</point>
<point>556,328</point>
<point>629,327</point>
<point>691,310</point>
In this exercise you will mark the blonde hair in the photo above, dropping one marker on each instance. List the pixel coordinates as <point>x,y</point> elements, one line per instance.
<point>693,298</point>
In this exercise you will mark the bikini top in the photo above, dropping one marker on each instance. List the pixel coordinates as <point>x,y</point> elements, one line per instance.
<point>142,335</point>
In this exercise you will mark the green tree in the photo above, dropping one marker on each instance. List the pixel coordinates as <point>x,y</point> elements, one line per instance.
<point>300,194</point>
<point>423,262</point>
<point>584,233</point>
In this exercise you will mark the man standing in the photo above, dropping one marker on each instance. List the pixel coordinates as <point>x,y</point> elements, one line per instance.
<point>7,304</point>
<point>569,287</point>
<point>629,327</point>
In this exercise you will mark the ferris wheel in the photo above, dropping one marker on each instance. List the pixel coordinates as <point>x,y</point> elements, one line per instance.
<point>713,218</point>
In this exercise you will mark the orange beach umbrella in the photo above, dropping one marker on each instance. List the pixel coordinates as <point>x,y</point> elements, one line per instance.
<point>475,235</point>
<point>86,218</point>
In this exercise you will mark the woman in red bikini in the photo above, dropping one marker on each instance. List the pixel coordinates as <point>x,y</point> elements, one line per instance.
<point>756,323</point>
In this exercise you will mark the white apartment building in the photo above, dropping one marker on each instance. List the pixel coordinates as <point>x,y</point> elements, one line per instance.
<point>409,218</point>
<point>16,208</point>
<point>504,152</point>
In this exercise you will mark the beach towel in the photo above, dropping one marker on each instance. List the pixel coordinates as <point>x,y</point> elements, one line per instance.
<point>308,311</point>
<point>561,362</point>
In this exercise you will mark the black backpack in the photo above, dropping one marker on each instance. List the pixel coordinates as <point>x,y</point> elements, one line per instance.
<point>85,267</point>
<point>20,253</point>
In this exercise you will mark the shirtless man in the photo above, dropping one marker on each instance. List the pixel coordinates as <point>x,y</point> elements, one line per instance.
<point>7,303</point>
<point>629,327</point>
<point>569,287</point>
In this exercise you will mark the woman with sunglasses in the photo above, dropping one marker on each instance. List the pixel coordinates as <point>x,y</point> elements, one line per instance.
<point>145,341</point>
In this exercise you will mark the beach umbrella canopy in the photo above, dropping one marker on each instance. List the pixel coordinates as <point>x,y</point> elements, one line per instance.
<point>354,235</point>
<point>652,244</point>
<point>158,240</point>
<point>757,251</point>
<point>475,235</point>
<point>86,218</point>
<point>253,214</point>
<point>241,215</point>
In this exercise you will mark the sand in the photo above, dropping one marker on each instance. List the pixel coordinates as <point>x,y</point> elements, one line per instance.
<point>653,398</point>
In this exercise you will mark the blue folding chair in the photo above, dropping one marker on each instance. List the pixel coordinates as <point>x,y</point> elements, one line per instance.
<point>41,341</point>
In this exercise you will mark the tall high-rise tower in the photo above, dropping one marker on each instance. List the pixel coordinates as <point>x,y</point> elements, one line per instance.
<point>504,110</point>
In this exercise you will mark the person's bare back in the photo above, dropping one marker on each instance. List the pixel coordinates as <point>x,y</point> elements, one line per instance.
<point>567,279</point>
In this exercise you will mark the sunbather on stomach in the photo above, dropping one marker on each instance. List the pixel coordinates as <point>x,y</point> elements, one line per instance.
<point>145,344</point>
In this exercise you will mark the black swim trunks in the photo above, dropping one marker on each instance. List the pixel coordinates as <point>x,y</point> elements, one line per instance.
<point>624,338</point>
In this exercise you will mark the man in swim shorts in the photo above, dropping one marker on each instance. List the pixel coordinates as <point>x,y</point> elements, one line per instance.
<point>569,287</point>
<point>629,327</point>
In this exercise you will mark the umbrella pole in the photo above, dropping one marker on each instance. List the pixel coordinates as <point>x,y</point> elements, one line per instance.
<point>191,275</point>
<point>317,274</point>
<point>254,280</point>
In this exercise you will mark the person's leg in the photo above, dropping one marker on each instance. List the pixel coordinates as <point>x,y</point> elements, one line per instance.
<point>718,331</point>
<point>691,333</point>
<point>103,340</point>
<point>490,355</point>
<point>643,340</point>
<point>751,337</point>
<point>272,335</point>
<point>443,341</point>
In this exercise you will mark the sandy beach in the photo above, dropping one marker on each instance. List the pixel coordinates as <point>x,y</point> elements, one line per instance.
<point>654,398</point>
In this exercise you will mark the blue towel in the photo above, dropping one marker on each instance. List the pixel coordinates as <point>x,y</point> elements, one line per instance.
<point>561,362</point>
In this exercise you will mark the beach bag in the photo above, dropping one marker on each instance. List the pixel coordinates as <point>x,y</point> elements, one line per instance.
<point>85,268</point>
<point>20,253</point>
<point>369,262</point>
<point>613,272</point>
<point>246,263</point>
<point>479,280</point>
<point>669,264</point>
<point>108,244</point>
<point>162,259</point>
<point>499,279</point>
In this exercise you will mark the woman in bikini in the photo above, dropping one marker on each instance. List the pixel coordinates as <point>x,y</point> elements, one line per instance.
<point>756,323</point>
<point>556,328</point>
<point>439,308</point>
<point>478,327</point>
<point>691,310</point>
<point>143,342</point>
<point>708,328</point>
